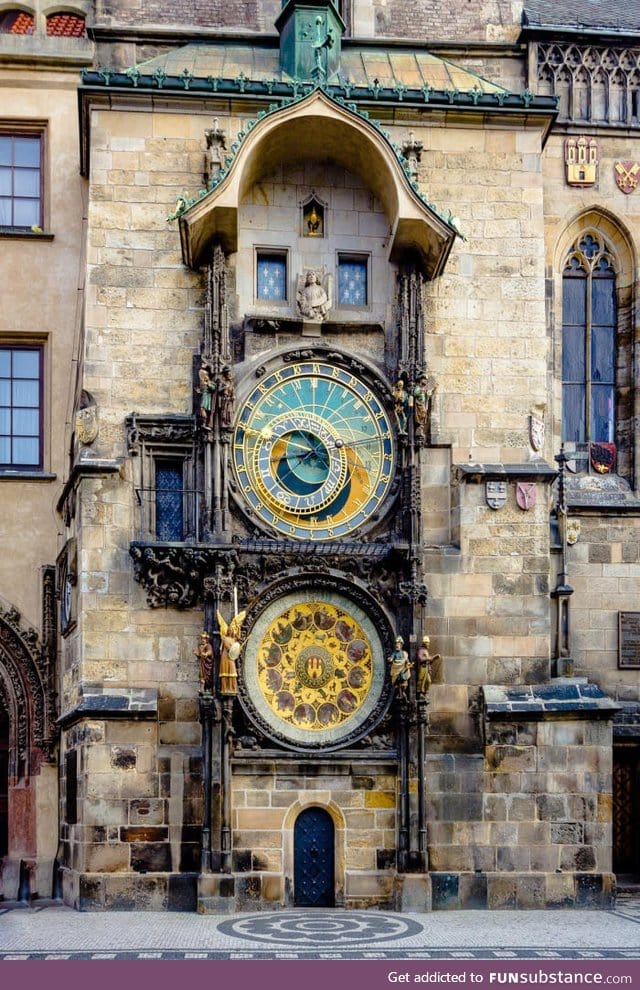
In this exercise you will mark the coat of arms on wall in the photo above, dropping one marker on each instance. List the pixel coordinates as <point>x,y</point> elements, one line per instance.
<point>603,456</point>
<point>627,175</point>
<point>526,495</point>
<point>581,158</point>
<point>496,494</point>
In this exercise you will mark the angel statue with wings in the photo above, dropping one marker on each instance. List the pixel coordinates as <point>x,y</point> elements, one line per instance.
<point>231,647</point>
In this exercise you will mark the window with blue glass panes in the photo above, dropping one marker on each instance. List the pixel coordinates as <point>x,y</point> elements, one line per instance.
<point>352,281</point>
<point>271,277</point>
<point>170,500</point>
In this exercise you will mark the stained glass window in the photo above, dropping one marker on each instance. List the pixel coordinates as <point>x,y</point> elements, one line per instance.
<point>20,407</point>
<point>272,277</point>
<point>352,281</point>
<point>589,343</point>
<point>169,500</point>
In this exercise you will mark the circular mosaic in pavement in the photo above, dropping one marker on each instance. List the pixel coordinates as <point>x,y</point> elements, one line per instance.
<point>327,928</point>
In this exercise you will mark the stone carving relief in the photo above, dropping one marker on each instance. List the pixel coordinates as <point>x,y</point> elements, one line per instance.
<point>26,692</point>
<point>313,295</point>
<point>593,83</point>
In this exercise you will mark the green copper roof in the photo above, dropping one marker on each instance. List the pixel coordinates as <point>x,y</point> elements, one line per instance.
<point>368,67</point>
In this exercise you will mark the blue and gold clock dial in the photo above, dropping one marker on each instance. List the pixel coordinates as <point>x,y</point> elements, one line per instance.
<point>313,451</point>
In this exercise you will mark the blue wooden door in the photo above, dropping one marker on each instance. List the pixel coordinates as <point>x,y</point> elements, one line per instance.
<point>313,859</point>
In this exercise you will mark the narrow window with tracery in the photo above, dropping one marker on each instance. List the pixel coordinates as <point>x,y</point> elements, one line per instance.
<point>589,342</point>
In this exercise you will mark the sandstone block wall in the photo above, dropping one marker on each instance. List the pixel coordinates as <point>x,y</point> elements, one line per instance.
<point>527,824</point>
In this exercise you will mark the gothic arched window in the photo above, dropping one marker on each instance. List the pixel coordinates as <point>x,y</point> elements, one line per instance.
<point>589,324</point>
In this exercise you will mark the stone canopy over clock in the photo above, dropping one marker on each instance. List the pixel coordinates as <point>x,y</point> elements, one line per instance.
<point>313,450</point>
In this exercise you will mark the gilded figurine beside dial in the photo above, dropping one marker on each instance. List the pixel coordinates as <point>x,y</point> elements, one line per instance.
<point>313,451</point>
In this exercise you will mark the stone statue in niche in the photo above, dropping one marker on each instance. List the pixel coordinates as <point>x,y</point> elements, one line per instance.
<point>204,653</point>
<point>425,662</point>
<point>216,144</point>
<point>231,649</point>
<point>226,398</point>
<point>401,406</point>
<point>422,398</point>
<point>312,297</point>
<point>206,391</point>
<point>400,668</point>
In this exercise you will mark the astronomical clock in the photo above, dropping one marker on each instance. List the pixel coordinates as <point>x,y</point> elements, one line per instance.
<point>314,451</point>
<point>314,460</point>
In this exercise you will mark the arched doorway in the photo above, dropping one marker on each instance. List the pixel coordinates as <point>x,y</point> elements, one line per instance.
<point>4,783</point>
<point>314,859</point>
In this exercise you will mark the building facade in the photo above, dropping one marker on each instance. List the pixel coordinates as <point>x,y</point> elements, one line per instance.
<point>323,422</point>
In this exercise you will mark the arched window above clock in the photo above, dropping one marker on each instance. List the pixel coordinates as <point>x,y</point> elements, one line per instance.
<point>595,348</point>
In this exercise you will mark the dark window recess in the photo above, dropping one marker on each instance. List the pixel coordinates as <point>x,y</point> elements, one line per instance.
<point>20,181</point>
<point>589,344</point>
<point>71,783</point>
<point>21,408</point>
<point>170,500</point>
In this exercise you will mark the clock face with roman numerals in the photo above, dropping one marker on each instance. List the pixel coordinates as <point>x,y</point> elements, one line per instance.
<point>313,451</point>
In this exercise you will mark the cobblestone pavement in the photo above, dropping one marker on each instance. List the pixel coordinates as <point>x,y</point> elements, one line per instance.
<point>52,931</point>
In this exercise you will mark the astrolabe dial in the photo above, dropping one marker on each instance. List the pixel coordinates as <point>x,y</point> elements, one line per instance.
<point>318,670</point>
<point>313,451</point>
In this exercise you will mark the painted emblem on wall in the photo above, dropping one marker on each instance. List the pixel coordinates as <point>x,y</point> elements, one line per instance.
<point>581,157</point>
<point>315,667</point>
<point>526,495</point>
<point>536,432</point>
<point>627,175</point>
<point>603,456</point>
<point>496,494</point>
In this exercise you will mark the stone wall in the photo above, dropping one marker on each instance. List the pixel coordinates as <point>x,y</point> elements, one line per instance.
<point>267,798</point>
<point>478,20</point>
<point>138,812</point>
<point>528,824</point>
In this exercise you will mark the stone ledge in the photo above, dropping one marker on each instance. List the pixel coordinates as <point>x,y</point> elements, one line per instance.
<point>569,696</point>
<point>530,471</point>
<point>105,702</point>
